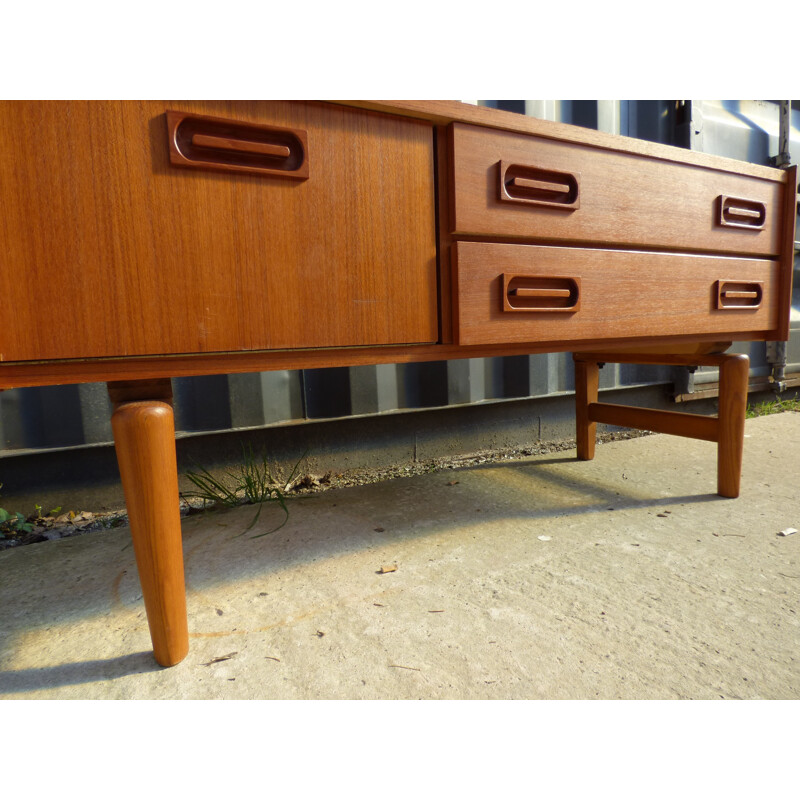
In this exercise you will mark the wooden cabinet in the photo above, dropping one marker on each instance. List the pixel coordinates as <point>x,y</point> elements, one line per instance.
<point>190,238</point>
<point>200,237</point>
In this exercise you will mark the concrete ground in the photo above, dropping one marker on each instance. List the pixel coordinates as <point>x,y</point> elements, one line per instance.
<point>625,577</point>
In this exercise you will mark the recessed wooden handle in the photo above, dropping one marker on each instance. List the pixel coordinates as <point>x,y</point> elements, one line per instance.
<point>549,187</point>
<point>222,144</point>
<point>732,295</point>
<point>240,145</point>
<point>525,292</point>
<point>530,293</point>
<point>737,212</point>
<point>743,213</point>
<point>729,295</point>
<point>538,186</point>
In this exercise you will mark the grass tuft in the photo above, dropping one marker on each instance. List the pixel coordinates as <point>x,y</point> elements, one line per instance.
<point>767,407</point>
<point>250,483</point>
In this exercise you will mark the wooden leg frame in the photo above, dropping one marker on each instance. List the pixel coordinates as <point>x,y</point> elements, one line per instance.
<point>144,435</point>
<point>727,429</point>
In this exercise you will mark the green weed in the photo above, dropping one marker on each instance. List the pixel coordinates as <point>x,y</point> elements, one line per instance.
<point>252,482</point>
<point>15,522</point>
<point>773,407</point>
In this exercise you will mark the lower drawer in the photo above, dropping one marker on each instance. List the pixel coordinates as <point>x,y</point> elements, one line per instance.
<point>525,293</point>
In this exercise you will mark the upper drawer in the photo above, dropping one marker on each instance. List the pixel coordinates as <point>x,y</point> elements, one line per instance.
<point>516,185</point>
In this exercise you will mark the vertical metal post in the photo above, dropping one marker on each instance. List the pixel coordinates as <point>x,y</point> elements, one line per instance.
<point>776,351</point>
<point>784,158</point>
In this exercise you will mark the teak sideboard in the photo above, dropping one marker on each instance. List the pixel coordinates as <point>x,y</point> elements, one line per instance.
<point>211,237</point>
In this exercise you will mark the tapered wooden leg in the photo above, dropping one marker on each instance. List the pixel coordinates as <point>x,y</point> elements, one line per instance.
<point>144,435</point>
<point>587,376</point>
<point>733,376</point>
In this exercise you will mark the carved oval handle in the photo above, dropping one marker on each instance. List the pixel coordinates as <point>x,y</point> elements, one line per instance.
<point>537,186</point>
<point>214,143</point>
<point>736,212</point>
<point>540,293</point>
<point>739,294</point>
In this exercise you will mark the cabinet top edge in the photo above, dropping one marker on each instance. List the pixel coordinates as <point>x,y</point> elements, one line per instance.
<point>445,112</point>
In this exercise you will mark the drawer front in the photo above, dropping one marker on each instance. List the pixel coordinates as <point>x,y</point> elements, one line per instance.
<point>514,185</point>
<point>527,293</point>
<point>252,226</point>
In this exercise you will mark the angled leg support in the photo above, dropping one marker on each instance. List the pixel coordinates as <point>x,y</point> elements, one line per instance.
<point>587,379</point>
<point>727,430</point>
<point>733,373</point>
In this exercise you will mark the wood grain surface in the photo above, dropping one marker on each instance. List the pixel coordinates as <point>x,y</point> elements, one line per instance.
<point>622,294</point>
<point>674,423</point>
<point>144,435</point>
<point>159,271</point>
<point>672,357</point>
<point>51,373</point>
<point>733,377</point>
<point>727,429</point>
<point>587,383</point>
<point>130,255</point>
<point>624,199</point>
